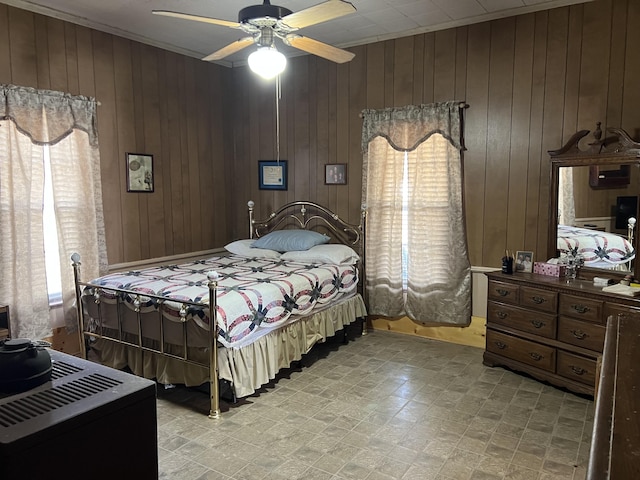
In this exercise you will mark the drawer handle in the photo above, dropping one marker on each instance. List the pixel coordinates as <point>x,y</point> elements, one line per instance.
<point>579,334</point>
<point>501,345</point>
<point>536,356</point>
<point>501,315</point>
<point>502,292</point>
<point>538,300</point>
<point>580,308</point>
<point>578,370</point>
<point>538,323</point>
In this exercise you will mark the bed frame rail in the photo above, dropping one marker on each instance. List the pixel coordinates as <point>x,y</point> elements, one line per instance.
<point>184,306</point>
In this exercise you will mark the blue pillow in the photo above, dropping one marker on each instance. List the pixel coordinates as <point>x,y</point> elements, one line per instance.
<point>290,240</point>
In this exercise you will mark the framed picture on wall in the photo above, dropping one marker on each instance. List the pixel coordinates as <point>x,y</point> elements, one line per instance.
<point>139,172</point>
<point>335,174</point>
<point>524,261</point>
<point>272,174</point>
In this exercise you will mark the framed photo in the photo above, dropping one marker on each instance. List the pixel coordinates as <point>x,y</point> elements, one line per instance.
<point>524,261</point>
<point>272,174</point>
<point>335,174</point>
<point>139,172</point>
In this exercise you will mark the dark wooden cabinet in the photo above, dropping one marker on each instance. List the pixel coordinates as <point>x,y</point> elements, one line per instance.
<point>88,421</point>
<point>615,442</point>
<point>551,328</point>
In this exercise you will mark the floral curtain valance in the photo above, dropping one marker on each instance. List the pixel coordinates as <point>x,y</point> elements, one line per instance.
<point>46,116</point>
<point>405,128</point>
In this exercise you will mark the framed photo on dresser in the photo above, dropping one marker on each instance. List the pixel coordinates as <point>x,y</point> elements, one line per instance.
<point>524,261</point>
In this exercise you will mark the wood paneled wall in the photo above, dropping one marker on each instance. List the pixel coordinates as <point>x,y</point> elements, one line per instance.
<point>151,101</point>
<point>531,82</point>
<point>600,202</point>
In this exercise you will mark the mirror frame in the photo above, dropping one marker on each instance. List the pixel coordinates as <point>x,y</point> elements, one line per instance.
<point>617,149</point>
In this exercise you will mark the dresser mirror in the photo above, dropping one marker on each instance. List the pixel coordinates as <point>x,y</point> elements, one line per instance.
<point>595,182</point>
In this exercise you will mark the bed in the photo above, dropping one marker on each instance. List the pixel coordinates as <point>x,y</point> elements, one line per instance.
<point>598,249</point>
<point>294,282</point>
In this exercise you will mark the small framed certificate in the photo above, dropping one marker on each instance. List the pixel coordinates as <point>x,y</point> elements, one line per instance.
<point>272,174</point>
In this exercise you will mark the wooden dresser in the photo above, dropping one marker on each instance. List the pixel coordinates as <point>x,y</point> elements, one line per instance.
<point>550,328</point>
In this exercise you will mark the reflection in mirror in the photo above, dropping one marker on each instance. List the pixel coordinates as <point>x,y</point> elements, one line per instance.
<point>594,222</point>
<point>598,222</point>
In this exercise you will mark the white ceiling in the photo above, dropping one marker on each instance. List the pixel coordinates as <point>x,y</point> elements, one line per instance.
<point>375,20</point>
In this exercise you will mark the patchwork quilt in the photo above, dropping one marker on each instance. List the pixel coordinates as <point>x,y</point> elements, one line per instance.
<point>594,246</point>
<point>253,294</point>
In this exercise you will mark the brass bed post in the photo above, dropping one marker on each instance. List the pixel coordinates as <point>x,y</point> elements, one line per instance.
<point>75,261</point>
<point>250,204</point>
<point>214,393</point>
<point>631,225</point>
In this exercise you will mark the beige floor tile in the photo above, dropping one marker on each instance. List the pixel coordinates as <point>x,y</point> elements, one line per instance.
<point>383,407</point>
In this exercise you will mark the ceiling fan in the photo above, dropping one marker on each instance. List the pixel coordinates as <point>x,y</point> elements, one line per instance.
<point>263,23</point>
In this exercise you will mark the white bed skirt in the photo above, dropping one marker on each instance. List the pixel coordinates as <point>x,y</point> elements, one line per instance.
<point>248,367</point>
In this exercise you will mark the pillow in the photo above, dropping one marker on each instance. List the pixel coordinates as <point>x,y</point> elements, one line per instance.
<point>243,248</point>
<point>333,254</point>
<point>290,240</point>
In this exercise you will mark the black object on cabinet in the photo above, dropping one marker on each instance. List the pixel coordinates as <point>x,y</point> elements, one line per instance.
<point>625,207</point>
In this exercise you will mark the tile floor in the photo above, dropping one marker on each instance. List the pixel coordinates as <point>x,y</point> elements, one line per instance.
<point>386,406</point>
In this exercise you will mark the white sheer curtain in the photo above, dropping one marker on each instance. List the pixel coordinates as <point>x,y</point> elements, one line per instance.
<point>566,205</point>
<point>29,119</point>
<point>418,267</point>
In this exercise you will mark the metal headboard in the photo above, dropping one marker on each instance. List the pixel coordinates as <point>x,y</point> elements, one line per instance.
<point>312,216</point>
<point>307,216</point>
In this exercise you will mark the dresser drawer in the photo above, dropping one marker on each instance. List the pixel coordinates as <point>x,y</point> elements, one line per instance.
<point>524,351</point>
<point>577,368</point>
<point>503,292</point>
<point>582,308</point>
<point>542,300</point>
<point>537,323</point>
<point>581,334</point>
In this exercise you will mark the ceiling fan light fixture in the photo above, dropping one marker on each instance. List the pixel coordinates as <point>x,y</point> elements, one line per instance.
<point>267,62</point>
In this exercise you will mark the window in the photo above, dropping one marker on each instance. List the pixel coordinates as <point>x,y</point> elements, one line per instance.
<point>405,222</point>
<point>48,156</point>
<point>417,263</point>
<point>51,247</point>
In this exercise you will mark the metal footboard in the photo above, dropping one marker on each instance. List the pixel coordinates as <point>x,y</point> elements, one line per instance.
<point>160,304</point>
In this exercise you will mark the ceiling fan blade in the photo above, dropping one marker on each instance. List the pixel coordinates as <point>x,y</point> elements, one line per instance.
<point>197,18</point>
<point>318,13</point>
<point>320,49</point>
<point>229,49</point>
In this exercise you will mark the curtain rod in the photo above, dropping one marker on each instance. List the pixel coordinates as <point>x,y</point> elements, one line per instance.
<point>461,105</point>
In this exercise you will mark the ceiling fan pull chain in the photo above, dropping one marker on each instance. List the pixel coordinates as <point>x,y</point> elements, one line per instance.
<point>278,91</point>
